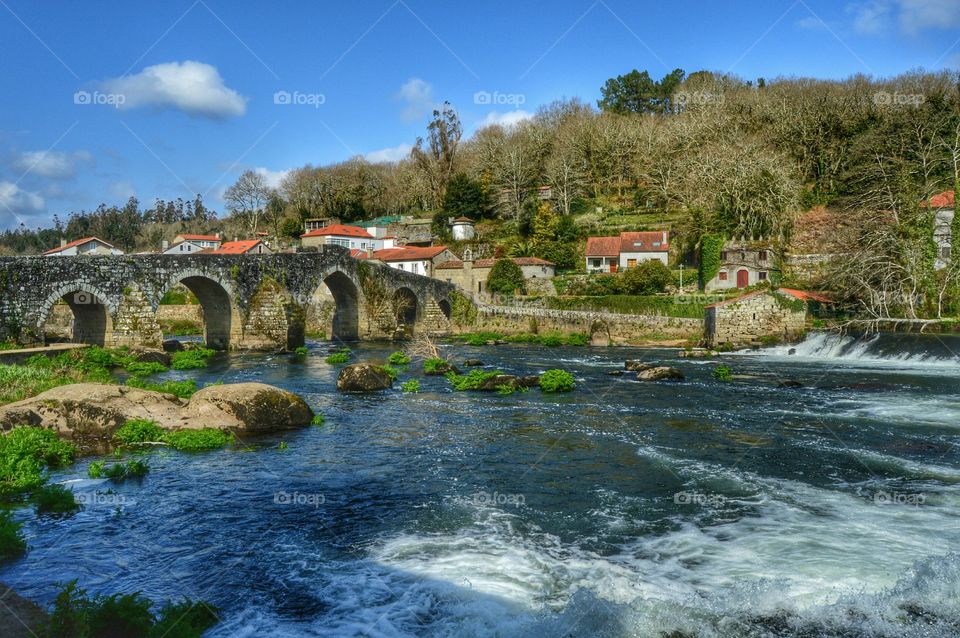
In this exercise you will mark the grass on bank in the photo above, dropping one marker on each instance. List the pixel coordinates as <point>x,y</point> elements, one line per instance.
<point>552,339</point>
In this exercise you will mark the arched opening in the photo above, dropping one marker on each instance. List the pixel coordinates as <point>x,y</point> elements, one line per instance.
<point>77,316</point>
<point>405,308</point>
<point>218,311</point>
<point>345,322</point>
<point>445,308</point>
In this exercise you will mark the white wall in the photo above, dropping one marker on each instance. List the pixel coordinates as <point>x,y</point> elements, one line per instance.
<point>644,256</point>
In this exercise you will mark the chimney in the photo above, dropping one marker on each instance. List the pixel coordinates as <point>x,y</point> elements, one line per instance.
<point>63,242</point>
<point>164,245</point>
<point>664,237</point>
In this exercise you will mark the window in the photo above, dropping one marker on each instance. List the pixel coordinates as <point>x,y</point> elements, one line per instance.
<point>763,275</point>
<point>631,263</point>
<point>723,255</point>
<point>945,252</point>
<point>479,286</point>
<point>597,263</point>
<point>638,244</point>
<point>763,255</point>
<point>656,244</point>
<point>723,275</point>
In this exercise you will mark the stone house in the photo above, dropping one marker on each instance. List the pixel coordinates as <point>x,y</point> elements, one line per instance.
<point>745,263</point>
<point>757,316</point>
<point>612,254</point>
<point>316,223</point>
<point>472,275</point>
<point>420,260</point>
<point>93,246</point>
<point>945,207</point>
<point>242,247</point>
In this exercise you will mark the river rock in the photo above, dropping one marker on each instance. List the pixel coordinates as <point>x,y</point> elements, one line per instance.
<point>615,373</point>
<point>493,383</point>
<point>172,345</point>
<point>660,373</point>
<point>153,356</point>
<point>698,353</point>
<point>363,377</point>
<point>529,381</point>
<point>789,383</point>
<point>442,369</point>
<point>635,365</point>
<point>19,617</point>
<point>246,407</point>
<point>472,363</point>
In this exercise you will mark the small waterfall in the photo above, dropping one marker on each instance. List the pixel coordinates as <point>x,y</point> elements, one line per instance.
<point>885,347</point>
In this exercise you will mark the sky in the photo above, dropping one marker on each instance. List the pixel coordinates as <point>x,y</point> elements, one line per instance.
<point>107,99</point>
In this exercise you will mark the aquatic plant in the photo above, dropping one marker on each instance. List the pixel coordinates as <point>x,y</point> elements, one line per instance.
<point>25,453</point>
<point>12,543</point>
<point>191,359</point>
<point>412,386</point>
<point>122,471</point>
<point>398,358</point>
<point>557,381</point>
<point>317,419</point>
<point>54,499</point>
<point>137,431</point>
<point>301,351</point>
<point>145,368</point>
<point>341,356</point>
<point>472,380</point>
<point>722,373</point>
<point>197,440</point>
<point>392,372</point>
<point>95,469</point>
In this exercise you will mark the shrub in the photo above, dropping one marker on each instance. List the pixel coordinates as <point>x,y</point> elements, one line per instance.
<point>25,452</point>
<point>505,277</point>
<point>197,440</point>
<point>398,359</point>
<point>11,538</point>
<point>183,389</point>
<point>647,278</point>
<point>412,386</point>
<point>145,368</point>
<point>191,359</point>
<point>55,499</point>
<point>722,373</point>
<point>139,431</point>
<point>552,341</point>
<point>557,381</point>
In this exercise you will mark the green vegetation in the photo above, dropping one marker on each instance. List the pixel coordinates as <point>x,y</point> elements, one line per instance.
<point>666,306</point>
<point>95,469</point>
<point>557,381</point>
<point>12,543</point>
<point>77,615</point>
<point>505,277</point>
<point>301,351</point>
<point>121,471</point>
<point>181,327</point>
<point>183,389</point>
<point>392,372</point>
<point>646,278</point>
<point>191,359</point>
<point>550,339</point>
<point>341,356</point>
<point>197,440</point>
<point>178,296</point>
<point>145,368</point>
<point>434,365</point>
<point>399,359</point>
<point>711,246</point>
<point>54,499</point>
<point>722,373</point>
<point>412,386</point>
<point>282,445</point>
<point>136,431</point>
<point>472,380</point>
<point>318,419</point>
<point>25,455</point>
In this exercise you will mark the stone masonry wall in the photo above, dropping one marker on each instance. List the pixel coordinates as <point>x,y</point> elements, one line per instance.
<point>752,318</point>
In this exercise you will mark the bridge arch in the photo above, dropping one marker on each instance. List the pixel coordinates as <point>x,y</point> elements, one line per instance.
<point>222,325</point>
<point>344,322</point>
<point>445,307</point>
<point>91,310</point>
<point>406,309</point>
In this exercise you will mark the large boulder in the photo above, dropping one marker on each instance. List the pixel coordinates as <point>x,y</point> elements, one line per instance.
<point>660,373</point>
<point>153,356</point>
<point>494,383</point>
<point>19,617</point>
<point>635,365</point>
<point>246,407</point>
<point>363,377</point>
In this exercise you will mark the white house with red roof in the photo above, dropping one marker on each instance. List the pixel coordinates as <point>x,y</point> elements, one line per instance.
<point>88,246</point>
<point>242,247</point>
<point>611,254</point>
<point>352,237</point>
<point>187,244</point>
<point>945,207</point>
<point>420,260</point>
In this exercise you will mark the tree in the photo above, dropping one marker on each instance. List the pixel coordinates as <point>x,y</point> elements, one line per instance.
<point>247,197</point>
<point>506,277</point>
<point>637,92</point>
<point>647,278</point>
<point>465,197</point>
<point>437,163</point>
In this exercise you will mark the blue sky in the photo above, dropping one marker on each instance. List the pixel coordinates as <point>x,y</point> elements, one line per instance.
<point>103,100</point>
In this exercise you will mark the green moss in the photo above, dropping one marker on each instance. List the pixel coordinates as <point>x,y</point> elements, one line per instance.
<point>557,381</point>
<point>198,440</point>
<point>472,380</point>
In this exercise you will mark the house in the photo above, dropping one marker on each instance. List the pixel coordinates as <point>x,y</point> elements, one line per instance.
<point>242,247</point>
<point>92,246</point>
<point>744,263</point>
<point>379,227</point>
<point>316,223</point>
<point>763,315</point>
<point>341,235</point>
<point>611,254</point>
<point>204,241</point>
<point>945,206</point>
<point>472,275</point>
<point>186,244</point>
<point>420,260</point>
<point>462,228</point>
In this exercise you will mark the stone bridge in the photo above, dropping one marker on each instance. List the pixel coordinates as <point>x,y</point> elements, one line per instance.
<point>255,302</point>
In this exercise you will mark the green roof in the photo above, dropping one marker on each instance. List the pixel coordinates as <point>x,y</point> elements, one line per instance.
<point>377,221</point>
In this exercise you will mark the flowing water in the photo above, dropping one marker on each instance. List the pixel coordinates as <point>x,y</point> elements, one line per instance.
<point>699,508</point>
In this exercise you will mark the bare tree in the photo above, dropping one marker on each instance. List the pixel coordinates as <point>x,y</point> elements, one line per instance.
<point>247,198</point>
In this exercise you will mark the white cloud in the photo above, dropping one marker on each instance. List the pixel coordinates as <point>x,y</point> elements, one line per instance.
<point>272,178</point>
<point>16,202</point>
<point>122,190</point>
<point>871,17</point>
<point>417,98</point>
<point>192,87</point>
<point>52,164</point>
<point>508,119</point>
<point>392,154</point>
<point>917,15</point>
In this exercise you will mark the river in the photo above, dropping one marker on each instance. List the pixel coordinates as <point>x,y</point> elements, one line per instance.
<point>704,508</point>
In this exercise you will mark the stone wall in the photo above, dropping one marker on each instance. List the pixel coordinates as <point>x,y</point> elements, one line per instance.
<point>617,329</point>
<point>753,318</point>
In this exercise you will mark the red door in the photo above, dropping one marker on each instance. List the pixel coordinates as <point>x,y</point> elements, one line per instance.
<point>743,279</point>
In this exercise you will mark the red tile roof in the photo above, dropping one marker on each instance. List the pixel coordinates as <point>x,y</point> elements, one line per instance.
<point>463,218</point>
<point>234,247</point>
<point>943,200</point>
<point>356,253</point>
<point>77,242</point>
<point>408,253</point>
<point>339,230</point>
<point>644,242</point>
<point>603,247</point>
<point>456,264</point>
<point>187,237</point>
<point>805,295</point>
